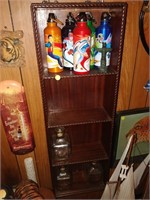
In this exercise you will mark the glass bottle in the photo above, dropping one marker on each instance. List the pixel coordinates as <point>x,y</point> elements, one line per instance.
<point>61,144</point>
<point>95,173</point>
<point>63,179</point>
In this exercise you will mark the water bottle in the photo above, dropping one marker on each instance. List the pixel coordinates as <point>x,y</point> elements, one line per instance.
<point>67,40</point>
<point>90,21</point>
<point>103,36</point>
<point>53,44</point>
<point>81,40</point>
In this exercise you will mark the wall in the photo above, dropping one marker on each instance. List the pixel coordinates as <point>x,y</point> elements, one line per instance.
<point>135,61</point>
<point>16,15</point>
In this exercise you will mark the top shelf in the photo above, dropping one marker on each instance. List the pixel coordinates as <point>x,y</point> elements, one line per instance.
<point>40,13</point>
<point>70,74</point>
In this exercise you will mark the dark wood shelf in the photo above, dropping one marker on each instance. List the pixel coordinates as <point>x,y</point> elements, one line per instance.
<point>70,74</point>
<point>88,152</point>
<point>84,104</point>
<point>75,117</point>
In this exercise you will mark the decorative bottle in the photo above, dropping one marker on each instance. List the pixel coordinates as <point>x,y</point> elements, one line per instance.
<point>61,147</point>
<point>103,40</point>
<point>82,39</point>
<point>63,179</point>
<point>67,39</point>
<point>95,173</point>
<point>53,44</point>
<point>90,21</point>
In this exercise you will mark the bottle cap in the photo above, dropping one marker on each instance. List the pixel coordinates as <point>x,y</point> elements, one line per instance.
<point>52,18</point>
<point>90,17</point>
<point>70,19</point>
<point>81,17</point>
<point>106,15</point>
<point>94,163</point>
<point>60,132</point>
<point>62,168</point>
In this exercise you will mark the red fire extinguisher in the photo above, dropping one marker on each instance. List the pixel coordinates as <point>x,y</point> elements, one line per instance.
<point>15,117</point>
<point>82,37</point>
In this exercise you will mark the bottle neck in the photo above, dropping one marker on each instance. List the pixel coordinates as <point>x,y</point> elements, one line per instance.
<point>89,23</point>
<point>83,24</point>
<point>104,22</point>
<point>69,23</point>
<point>51,24</point>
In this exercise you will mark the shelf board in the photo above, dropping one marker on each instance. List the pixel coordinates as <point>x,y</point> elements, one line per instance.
<point>80,188</point>
<point>58,118</point>
<point>70,74</point>
<point>88,153</point>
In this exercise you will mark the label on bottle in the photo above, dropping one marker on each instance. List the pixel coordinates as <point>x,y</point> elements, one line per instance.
<point>68,51</point>
<point>81,55</point>
<point>98,58</point>
<point>99,44</point>
<point>102,38</point>
<point>54,52</point>
<point>63,180</point>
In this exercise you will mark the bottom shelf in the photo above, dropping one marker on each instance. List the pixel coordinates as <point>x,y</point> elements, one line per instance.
<point>86,179</point>
<point>80,189</point>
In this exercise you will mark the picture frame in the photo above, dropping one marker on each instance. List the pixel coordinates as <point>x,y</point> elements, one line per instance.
<point>125,121</point>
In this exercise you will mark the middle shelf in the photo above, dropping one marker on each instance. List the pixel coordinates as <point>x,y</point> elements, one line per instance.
<point>88,152</point>
<point>75,117</point>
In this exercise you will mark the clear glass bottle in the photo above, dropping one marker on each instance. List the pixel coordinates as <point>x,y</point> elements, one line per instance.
<point>63,179</point>
<point>95,173</point>
<point>61,144</point>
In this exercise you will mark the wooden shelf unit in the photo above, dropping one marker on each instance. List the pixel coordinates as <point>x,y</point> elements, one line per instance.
<point>84,104</point>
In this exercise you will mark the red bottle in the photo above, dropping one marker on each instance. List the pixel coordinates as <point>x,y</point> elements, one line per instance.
<point>82,37</point>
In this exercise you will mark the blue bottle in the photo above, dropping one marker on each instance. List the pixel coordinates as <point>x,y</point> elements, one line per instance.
<point>103,35</point>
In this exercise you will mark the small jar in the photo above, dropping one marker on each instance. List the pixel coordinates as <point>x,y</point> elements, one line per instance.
<point>95,173</point>
<point>60,145</point>
<point>63,179</point>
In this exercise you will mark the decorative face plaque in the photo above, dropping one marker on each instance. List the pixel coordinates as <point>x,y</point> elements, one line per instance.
<point>11,49</point>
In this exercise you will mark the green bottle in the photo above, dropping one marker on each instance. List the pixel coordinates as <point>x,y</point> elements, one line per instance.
<point>90,21</point>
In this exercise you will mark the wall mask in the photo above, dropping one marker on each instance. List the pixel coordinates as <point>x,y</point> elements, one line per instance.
<point>11,49</point>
